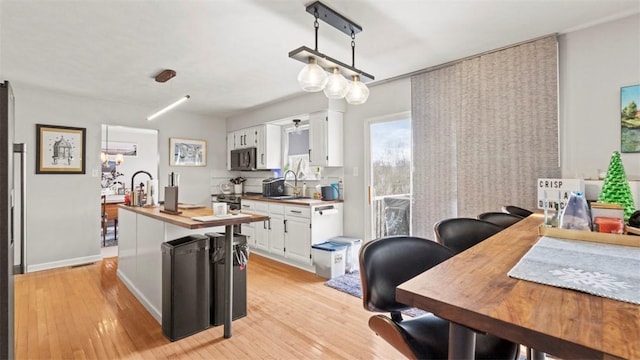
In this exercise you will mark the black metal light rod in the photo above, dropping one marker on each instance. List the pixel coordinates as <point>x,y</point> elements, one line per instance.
<point>303,54</point>
<point>333,18</point>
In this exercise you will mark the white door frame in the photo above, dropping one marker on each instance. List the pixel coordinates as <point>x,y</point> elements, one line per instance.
<point>367,164</point>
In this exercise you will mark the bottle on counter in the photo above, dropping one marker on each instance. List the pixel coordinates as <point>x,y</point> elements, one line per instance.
<point>304,190</point>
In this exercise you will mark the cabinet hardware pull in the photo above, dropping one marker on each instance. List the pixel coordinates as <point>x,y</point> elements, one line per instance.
<point>285,226</point>
<point>296,211</point>
<point>269,224</point>
<point>264,224</point>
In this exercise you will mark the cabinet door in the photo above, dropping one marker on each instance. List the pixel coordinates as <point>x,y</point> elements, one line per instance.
<point>261,156</point>
<point>297,239</point>
<point>276,234</point>
<point>231,145</point>
<point>269,146</point>
<point>261,231</point>
<point>317,145</point>
<point>326,139</point>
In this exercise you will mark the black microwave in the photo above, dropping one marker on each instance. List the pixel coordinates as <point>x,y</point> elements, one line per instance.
<point>243,159</point>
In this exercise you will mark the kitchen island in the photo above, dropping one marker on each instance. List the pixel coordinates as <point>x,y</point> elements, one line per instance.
<point>142,232</point>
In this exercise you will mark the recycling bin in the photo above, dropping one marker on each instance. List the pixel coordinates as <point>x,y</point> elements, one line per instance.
<point>240,258</point>
<point>185,286</point>
<point>351,262</point>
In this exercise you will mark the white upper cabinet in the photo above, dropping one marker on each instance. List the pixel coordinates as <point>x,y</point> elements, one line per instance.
<point>244,138</point>
<point>269,147</point>
<point>326,139</point>
<point>265,138</point>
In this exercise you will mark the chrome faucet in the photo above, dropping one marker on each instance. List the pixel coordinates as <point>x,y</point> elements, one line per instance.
<point>133,177</point>
<point>295,182</point>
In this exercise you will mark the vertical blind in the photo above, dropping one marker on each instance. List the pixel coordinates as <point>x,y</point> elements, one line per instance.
<point>484,129</point>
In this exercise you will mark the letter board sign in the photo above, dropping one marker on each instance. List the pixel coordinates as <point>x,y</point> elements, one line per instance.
<point>557,191</point>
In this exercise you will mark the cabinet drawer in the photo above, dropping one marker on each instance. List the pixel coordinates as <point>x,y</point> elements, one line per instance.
<point>276,209</point>
<point>301,211</point>
<point>247,205</point>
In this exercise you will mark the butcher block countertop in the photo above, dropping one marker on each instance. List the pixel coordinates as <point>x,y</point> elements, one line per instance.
<point>185,219</point>
<point>295,201</point>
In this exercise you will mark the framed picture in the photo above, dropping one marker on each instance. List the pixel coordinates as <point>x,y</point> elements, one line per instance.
<point>60,149</point>
<point>120,147</point>
<point>187,152</point>
<point>630,118</point>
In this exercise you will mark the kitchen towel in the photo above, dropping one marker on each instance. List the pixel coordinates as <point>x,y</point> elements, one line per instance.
<point>152,193</point>
<point>600,269</point>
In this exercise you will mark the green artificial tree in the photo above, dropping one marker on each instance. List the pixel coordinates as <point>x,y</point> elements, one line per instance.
<point>616,188</point>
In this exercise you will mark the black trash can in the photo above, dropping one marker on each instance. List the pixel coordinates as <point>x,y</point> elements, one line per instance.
<point>185,286</point>
<point>240,256</point>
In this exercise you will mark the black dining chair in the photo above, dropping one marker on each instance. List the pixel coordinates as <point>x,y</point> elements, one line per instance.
<point>386,263</point>
<point>515,210</point>
<point>459,234</point>
<point>500,218</point>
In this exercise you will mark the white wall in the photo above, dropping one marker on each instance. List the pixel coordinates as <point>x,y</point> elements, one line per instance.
<point>63,219</point>
<point>594,63</point>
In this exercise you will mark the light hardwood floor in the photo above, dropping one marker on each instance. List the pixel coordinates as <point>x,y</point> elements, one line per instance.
<point>86,312</point>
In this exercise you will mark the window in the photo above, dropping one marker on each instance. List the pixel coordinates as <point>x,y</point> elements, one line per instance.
<point>297,151</point>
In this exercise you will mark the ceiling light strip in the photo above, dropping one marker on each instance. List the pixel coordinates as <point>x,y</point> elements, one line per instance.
<point>169,107</point>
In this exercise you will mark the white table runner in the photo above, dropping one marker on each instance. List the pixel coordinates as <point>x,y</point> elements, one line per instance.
<point>611,271</point>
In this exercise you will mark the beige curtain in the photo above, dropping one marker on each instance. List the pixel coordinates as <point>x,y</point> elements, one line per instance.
<point>484,129</point>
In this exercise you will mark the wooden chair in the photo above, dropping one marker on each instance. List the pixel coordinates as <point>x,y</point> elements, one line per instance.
<point>510,209</point>
<point>500,218</point>
<point>109,213</point>
<point>386,263</point>
<point>459,234</point>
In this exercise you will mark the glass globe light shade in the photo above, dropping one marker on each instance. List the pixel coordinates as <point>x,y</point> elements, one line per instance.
<point>358,92</point>
<point>337,86</point>
<point>119,159</point>
<point>312,77</point>
<point>104,157</point>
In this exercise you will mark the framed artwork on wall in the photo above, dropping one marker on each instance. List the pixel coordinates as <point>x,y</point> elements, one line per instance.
<point>187,152</point>
<point>630,118</point>
<point>60,149</point>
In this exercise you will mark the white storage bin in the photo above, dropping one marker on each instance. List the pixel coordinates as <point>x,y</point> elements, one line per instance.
<point>351,263</point>
<point>329,258</point>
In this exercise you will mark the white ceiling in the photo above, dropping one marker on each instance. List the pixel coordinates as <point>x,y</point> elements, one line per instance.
<point>232,55</point>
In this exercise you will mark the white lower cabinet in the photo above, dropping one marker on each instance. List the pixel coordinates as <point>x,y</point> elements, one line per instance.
<point>297,237</point>
<point>291,230</point>
<point>276,229</point>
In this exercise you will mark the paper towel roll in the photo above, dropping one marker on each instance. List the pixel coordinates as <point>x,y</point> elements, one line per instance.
<point>152,193</point>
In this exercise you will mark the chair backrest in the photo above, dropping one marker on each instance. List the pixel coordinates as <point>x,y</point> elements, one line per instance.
<point>387,262</point>
<point>500,218</point>
<point>510,209</point>
<point>459,234</point>
<point>103,200</point>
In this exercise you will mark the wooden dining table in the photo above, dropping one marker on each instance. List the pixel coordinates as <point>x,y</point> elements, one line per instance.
<point>473,291</point>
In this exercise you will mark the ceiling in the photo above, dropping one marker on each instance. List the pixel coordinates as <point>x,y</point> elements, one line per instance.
<point>232,55</point>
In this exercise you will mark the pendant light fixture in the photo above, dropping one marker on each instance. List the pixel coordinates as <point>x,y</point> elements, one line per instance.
<point>104,155</point>
<point>335,86</point>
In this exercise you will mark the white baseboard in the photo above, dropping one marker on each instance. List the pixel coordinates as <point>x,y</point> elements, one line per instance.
<point>64,263</point>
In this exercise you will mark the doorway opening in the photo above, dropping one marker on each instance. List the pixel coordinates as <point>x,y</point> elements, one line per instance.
<point>389,175</point>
